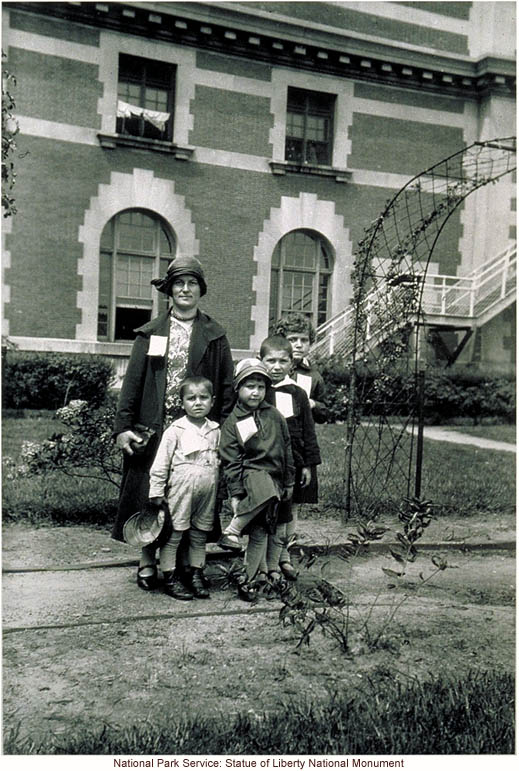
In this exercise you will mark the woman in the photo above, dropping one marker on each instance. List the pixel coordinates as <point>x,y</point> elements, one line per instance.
<point>182,342</point>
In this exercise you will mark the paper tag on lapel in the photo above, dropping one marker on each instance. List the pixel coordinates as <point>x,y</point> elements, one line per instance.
<point>158,345</point>
<point>304,382</point>
<point>284,404</point>
<point>246,428</point>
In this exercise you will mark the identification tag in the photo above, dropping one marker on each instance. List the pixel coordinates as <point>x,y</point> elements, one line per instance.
<point>246,428</point>
<point>284,404</point>
<point>158,345</point>
<point>304,382</point>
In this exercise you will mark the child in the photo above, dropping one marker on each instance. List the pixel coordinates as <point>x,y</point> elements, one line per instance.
<point>258,468</point>
<point>292,401</point>
<point>299,331</point>
<point>185,474</point>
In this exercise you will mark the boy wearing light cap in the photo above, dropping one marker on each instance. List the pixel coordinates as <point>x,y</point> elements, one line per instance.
<point>258,467</point>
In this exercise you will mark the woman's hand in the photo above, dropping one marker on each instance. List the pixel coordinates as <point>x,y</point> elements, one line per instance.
<point>234,504</point>
<point>124,440</point>
<point>306,476</point>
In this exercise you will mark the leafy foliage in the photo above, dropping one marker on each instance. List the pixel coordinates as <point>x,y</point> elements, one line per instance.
<point>449,394</point>
<point>10,129</point>
<point>50,380</point>
<point>86,451</point>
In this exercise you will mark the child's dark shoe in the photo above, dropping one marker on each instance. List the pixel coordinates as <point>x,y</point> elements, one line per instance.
<point>147,578</point>
<point>247,592</point>
<point>175,588</point>
<point>197,585</point>
<point>230,542</point>
<point>289,571</point>
<point>276,585</point>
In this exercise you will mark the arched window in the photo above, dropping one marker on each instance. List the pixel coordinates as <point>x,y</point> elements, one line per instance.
<point>300,277</point>
<point>135,248</point>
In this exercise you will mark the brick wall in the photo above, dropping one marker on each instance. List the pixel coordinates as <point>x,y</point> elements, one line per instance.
<point>367,23</point>
<point>409,98</point>
<point>400,146</point>
<point>63,30</point>
<point>55,88</point>
<point>233,66</point>
<point>226,120</point>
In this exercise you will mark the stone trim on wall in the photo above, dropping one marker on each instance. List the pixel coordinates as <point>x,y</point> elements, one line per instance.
<point>7,226</point>
<point>305,211</point>
<point>112,44</point>
<point>126,191</point>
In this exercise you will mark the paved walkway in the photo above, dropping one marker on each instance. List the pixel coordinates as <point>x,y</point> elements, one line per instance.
<point>457,437</point>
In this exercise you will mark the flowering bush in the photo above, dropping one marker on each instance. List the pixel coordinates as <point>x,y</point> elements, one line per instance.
<point>87,450</point>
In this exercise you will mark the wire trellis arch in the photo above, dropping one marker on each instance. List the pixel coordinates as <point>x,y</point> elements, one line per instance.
<point>379,338</point>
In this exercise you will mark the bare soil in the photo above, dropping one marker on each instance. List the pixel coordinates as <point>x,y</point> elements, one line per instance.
<point>85,647</point>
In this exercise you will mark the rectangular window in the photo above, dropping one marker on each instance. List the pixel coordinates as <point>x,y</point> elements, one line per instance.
<point>309,129</point>
<point>145,98</point>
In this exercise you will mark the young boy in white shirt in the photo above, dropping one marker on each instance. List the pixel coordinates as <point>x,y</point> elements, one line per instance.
<point>185,475</point>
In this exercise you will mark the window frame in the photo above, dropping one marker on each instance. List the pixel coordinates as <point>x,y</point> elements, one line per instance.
<point>278,271</point>
<point>147,82</point>
<point>306,111</point>
<point>158,302</point>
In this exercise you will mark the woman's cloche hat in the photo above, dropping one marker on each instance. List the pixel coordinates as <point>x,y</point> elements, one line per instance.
<point>150,525</point>
<point>247,367</point>
<point>181,266</point>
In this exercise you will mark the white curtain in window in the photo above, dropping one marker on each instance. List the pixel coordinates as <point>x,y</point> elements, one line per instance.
<point>156,118</point>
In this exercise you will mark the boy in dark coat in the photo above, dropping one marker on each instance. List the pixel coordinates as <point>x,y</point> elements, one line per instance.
<point>299,331</point>
<point>293,403</point>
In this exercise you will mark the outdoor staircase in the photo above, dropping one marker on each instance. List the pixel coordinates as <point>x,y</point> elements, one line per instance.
<point>447,301</point>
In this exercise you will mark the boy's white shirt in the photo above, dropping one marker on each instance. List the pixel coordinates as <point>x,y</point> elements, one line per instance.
<point>181,441</point>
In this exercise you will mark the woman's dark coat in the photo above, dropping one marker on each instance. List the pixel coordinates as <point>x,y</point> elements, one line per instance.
<point>143,394</point>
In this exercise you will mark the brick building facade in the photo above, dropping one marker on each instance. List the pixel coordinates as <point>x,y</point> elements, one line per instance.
<point>261,137</point>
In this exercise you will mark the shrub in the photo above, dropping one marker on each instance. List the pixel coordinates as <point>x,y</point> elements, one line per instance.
<point>87,450</point>
<point>50,380</point>
<point>449,393</point>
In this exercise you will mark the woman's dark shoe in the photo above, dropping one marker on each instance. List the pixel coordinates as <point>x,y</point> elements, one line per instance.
<point>197,585</point>
<point>174,587</point>
<point>288,571</point>
<point>147,578</point>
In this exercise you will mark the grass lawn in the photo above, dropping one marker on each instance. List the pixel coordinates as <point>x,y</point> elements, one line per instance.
<point>473,715</point>
<point>456,478</point>
<point>55,496</point>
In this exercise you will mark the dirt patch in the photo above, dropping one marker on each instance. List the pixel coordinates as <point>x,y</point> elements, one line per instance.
<point>87,648</point>
<point>52,546</point>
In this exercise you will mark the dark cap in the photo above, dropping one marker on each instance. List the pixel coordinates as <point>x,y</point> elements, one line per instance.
<point>248,367</point>
<point>181,266</point>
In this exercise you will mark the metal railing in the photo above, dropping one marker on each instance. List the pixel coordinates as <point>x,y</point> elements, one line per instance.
<point>461,296</point>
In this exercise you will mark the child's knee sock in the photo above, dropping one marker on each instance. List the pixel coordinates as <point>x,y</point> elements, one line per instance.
<point>168,552</point>
<point>255,550</point>
<point>197,541</point>
<point>275,543</point>
<point>237,523</point>
<point>147,558</point>
<point>290,531</point>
